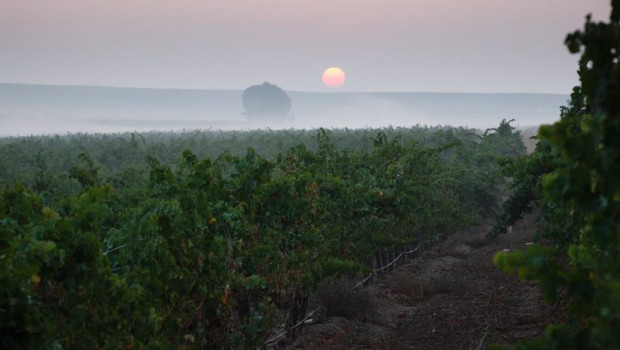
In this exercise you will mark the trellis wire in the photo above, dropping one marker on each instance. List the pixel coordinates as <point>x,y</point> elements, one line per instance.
<point>386,266</point>
<point>282,333</point>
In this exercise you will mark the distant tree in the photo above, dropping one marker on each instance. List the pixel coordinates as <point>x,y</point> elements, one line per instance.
<point>266,101</point>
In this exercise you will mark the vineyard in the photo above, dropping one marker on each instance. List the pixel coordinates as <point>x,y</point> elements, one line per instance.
<point>110,241</point>
<point>204,239</point>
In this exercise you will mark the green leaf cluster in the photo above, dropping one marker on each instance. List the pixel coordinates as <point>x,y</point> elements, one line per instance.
<point>201,252</point>
<point>580,180</point>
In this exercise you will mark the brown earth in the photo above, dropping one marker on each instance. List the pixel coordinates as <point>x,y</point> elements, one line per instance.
<point>449,297</point>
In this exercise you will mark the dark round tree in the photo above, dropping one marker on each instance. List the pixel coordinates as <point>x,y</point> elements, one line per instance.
<point>266,101</point>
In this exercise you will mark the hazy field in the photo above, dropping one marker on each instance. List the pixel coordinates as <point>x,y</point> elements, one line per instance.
<point>40,109</point>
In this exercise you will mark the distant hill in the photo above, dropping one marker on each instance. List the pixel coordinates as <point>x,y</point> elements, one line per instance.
<point>410,108</point>
<point>43,109</point>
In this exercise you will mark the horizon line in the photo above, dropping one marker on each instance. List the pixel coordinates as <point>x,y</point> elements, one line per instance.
<point>288,91</point>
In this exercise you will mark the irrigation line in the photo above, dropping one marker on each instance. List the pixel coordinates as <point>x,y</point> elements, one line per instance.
<point>282,333</point>
<point>114,249</point>
<point>386,266</point>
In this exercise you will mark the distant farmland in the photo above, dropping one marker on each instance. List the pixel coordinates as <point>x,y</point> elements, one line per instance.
<point>42,109</point>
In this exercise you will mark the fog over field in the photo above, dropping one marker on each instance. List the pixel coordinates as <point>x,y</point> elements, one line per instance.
<point>316,174</point>
<point>109,66</point>
<point>42,109</point>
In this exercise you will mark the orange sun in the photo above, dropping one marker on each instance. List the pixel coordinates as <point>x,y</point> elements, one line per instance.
<point>333,77</point>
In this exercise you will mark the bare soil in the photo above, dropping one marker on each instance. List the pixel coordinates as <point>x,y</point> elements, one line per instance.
<point>449,297</point>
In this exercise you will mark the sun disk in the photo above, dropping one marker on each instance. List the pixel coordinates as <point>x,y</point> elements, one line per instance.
<point>333,77</point>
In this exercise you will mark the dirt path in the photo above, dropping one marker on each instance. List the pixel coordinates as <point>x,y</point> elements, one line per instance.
<point>450,297</point>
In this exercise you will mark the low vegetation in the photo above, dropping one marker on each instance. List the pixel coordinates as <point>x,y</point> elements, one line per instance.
<point>176,241</point>
<point>153,250</point>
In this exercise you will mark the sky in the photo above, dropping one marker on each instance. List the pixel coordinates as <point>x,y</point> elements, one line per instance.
<point>382,45</point>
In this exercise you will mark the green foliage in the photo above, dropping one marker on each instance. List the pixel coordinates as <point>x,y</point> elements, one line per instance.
<point>526,174</point>
<point>505,139</point>
<point>150,251</point>
<point>585,184</point>
<point>87,175</point>
<point>57,287</point>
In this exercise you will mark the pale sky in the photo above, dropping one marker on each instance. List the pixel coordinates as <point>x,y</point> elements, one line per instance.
<point>382,45</point>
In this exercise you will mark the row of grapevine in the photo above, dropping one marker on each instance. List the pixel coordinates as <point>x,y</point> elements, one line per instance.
<point>201,253</point>
<point>43,162</point>
<point>574,177</point>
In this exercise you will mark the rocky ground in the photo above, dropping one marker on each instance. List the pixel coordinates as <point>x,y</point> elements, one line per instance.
<point>449,297</point>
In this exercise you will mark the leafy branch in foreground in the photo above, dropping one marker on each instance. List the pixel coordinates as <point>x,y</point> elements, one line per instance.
<point>586,181</point>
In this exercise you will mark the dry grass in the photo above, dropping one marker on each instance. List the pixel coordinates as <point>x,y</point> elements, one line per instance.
<point>454,250</point>
<point>477,241</point>
<point>339,299</point>
<point>411,291</point>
